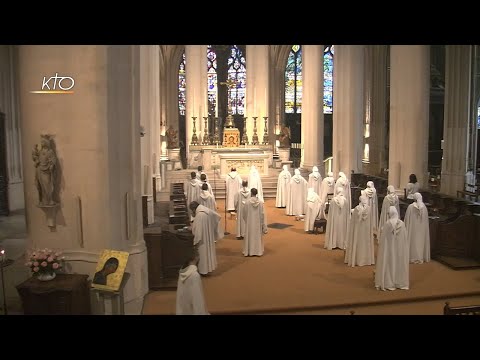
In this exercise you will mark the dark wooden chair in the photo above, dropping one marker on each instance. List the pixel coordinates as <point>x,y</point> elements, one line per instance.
<point>461,310</point>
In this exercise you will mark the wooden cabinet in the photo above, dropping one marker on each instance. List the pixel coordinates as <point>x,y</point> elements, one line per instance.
<point>67,294</point>
<point>166,251</point>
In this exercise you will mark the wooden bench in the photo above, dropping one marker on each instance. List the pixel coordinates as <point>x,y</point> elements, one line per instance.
<point>461,310</point>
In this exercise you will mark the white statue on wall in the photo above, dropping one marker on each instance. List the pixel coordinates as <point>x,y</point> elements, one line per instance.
<point>45,160</point>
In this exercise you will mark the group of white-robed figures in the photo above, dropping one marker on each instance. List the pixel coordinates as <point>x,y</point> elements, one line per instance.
<point>355,230</point>
<point>206,230</point>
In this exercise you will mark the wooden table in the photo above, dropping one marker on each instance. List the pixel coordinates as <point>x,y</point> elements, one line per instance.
<point>67,294</point>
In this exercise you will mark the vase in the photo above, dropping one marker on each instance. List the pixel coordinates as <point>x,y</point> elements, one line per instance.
<point>46,276</point>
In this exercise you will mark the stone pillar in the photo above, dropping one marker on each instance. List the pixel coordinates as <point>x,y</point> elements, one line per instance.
<point>257,89</point>
<point>374,127</point>
<point>196,90</point>
<point>456,117</point>
<point>147,113</point>
<point>96,134</point>
<point>409,113</point>
<point>312,107</point>
<point>348,108</point>
<point>156,118</point>
<point>9,106</point>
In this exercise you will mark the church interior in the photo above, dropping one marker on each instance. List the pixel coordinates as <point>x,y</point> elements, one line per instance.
<point>99,145</point>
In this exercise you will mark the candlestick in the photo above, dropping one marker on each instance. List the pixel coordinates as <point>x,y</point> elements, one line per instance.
<point>206,139</point>
<point>265,131</point>
<point>255,136</point>
<point>194,136</point>
<point>244,136</point>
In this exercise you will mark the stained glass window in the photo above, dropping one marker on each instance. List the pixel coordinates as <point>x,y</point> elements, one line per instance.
<point>328,79</point>
<point>212,81</point>
<point>237,72</point>
<point>478,118</point>
<point>293,81</point>
<point>181,86</point>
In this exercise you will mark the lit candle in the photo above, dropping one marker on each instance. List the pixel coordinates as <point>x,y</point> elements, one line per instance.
<point>255,102</point>
<point>266,103</point>
<point>193,107</point>
<point>2,255</point>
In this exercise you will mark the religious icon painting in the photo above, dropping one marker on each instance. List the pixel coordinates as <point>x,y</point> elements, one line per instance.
<point>110,269</point>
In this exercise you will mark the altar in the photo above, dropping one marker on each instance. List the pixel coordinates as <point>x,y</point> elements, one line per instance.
<point>224,158</point>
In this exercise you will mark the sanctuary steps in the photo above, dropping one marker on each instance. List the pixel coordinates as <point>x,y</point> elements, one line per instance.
<point>269,182</point>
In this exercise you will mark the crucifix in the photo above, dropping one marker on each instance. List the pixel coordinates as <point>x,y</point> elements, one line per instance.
<point>230,83</point>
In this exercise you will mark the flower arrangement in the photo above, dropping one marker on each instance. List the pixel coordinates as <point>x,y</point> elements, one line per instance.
<point>45,261</point>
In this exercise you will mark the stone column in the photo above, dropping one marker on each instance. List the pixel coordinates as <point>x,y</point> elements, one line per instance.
<point>348,108</point>
<point>374,126</point>
<point>257,89</point>
<point>456,117</point>
<point>409,113</point>
<point>156,118</point>
<point>147,113</point>
<point>97,140</point>
<point>9,106</point>
<point>196,89</point>
<point>312,107</point>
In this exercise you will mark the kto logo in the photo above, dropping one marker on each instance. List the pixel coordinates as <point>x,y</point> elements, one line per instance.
<point>56,85</point>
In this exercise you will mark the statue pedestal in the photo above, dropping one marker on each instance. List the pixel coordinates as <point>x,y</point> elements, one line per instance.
<point>174,156</point>
<point>284,154</point>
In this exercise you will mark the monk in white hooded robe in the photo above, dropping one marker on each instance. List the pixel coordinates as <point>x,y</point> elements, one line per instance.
<point>255,225</point>
<point>391,199</point>
<point>297,194</point>
<point>255,181</point>
<point>327,187</point>
<point>337,222</point>
<point>418,230</point>
<point>282,186</point>
<point>343,182</point>
<point>206,198</point>
<point>240,201</point>
<point>233,183</point>
<point>315,181</point>
<point>192,189</point>
<point>371,193</point>
<point>313,209</point>
<point>392,269</point>
<point>206,230</point>
<point>190,299</point>
<point>360,244</point>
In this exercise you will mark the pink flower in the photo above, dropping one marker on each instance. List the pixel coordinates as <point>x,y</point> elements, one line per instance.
<point>44,264</point>
<point>35,263</point>
<point>50,259</point>
<point>35,269</point>
<point>55,266</point>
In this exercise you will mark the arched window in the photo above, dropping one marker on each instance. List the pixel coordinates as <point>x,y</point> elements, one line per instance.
<point>212,90</point>
<point>238,73</point>
<point>231,67</point>
<point>293,81</point>
<point>328,79</point>
<point>181,86</point>
<point>478,117</point>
